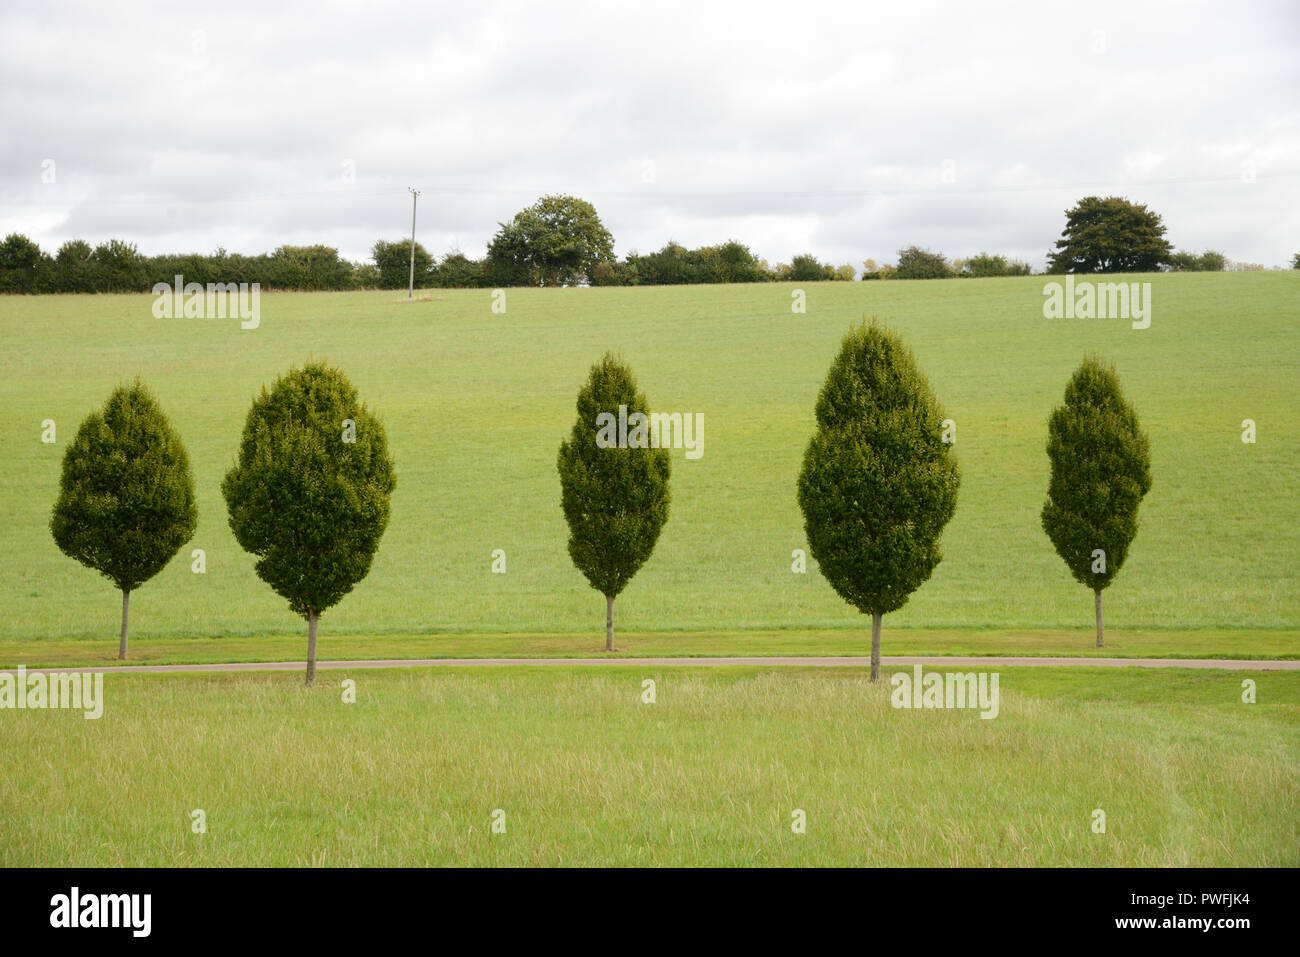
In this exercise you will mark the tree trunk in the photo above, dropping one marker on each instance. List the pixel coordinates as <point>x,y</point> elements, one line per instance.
<point>609,622</point>
<point>126,614</point>
<point>1101,628</point>
<point>312,618</point>
<point>875,646</point>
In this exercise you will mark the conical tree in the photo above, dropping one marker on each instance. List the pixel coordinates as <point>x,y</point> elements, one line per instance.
<point>309,494</point>
<point>126,498</point>
<point>878,483</point>
<point>1101,468</point>
<point>614,493</point>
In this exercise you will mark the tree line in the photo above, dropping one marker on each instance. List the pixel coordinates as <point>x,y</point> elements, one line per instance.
<point>560,240</point>
<point>309,492</point>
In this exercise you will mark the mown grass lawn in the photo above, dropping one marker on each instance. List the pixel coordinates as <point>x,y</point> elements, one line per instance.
<point>710,774</point>
<point>1079,643</point>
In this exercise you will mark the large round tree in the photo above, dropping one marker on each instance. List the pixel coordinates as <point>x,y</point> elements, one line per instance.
<point>558,239</point>
<point>614,494</point>
<point>126,498</point>
<point>878,483</point>
<point>1101,468</point>
<point>309,493</point>
<point>1110,235</point>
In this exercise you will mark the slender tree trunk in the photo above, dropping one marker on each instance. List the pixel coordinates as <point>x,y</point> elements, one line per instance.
<point>312,618</point>
<point>126,614</point>
<point>609,622</point>
<point>1101,628</point>
<point>875,646</point>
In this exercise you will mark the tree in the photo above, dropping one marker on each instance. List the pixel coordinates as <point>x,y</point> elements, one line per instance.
<point>1295,261</point>
<point>20,258</point>
<point>878,482</point>
<point>615,499</point>
<point>985,265</point>
<point>126,498</point>
<point>74,270</point>
<point>559,239</point>
<point>309,493</point>
<point>917,263</point>
<point>119,267</point>
<point>1110,235</point>
<point>393,260</point>
<point>1101,468</point>
<point>807,268</point>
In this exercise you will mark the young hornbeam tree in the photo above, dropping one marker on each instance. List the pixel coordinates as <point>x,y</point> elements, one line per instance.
<point>615,499</point>
<point>879,481</point>
<point>309,493</point>
<point>1101,468</point>
<point>126,499</point>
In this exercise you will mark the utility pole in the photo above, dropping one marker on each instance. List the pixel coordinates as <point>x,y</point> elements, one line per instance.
<point>415,195</point>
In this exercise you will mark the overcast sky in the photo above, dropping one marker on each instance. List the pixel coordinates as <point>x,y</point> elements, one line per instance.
<point>844,129</point>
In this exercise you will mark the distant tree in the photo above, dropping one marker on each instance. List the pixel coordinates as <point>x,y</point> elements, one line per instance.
<point>126,498</point>
<point>846,272</point>
<point>1295,261</point>
<point>1018,267</point>
<point>1110,235</point>
<point>559,239</point>
<point>869,265</point>
<point>1101,468</point>
<point>119,267</point>
<point>393,259</point>
<point>615,499</point>
<point>310,268</point>
<point>1208,261</point>
<point>310,490</point>
<point>20,258</point>
<point>878,482</point>
<point>984,265</point>
<point>917,263</point>
<point>807,268</point>
<point>74,268</point>
<point>458,271</point>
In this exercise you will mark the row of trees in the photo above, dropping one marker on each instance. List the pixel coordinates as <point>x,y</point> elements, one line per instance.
<point>309,492</point>
<point>560,240</point>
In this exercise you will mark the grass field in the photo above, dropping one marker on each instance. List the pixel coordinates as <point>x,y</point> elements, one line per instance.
<point>476,404</point>
<point>710,774</point>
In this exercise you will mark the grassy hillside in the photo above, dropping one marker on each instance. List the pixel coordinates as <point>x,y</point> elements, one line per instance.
<point>476,405</point>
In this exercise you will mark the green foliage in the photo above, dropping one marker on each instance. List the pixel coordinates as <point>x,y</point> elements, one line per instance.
<point>1295,261</point>
<point>917,263</point>
<point>614,499</point>
<point>1101,468</point>
<point>676,265</point>
<point>557,240</point>
<point>458,271</point>
<point>20,261</point>
<point>807,268</point>
<point>393,259</point>
<point>309,504</point>
<point>1110,235</point>
<point>126,498</point>
<point>1208,261</point>
<point>878,484</point>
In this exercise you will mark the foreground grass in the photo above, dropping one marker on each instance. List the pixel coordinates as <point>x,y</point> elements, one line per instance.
<point>1198,643</point>
<point>709,775</point>
<point>476,404</point>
